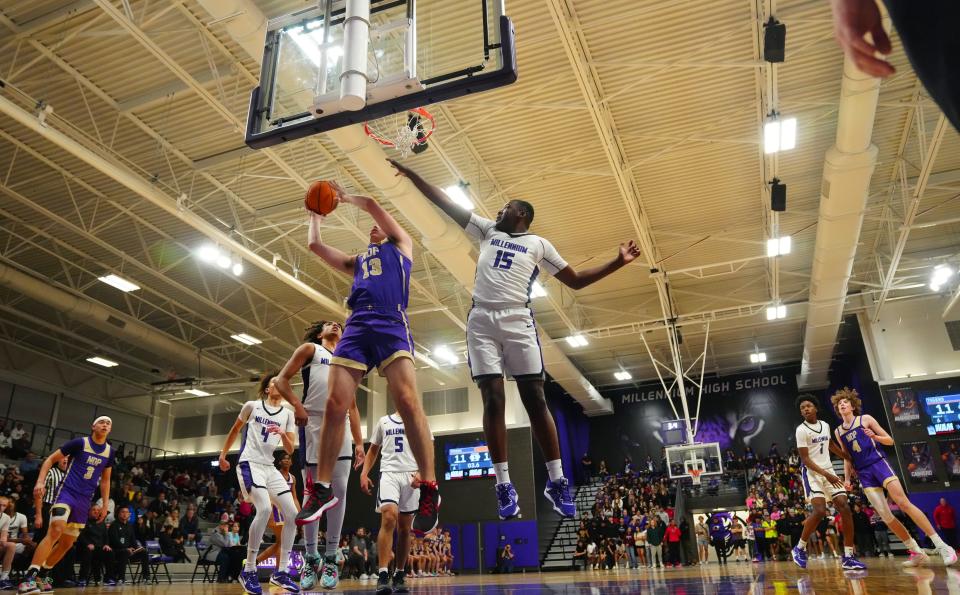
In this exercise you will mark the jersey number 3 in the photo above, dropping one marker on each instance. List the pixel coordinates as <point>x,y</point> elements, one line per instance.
<point>372,268</point>
<point>89,473</point>
<point>504,259</point>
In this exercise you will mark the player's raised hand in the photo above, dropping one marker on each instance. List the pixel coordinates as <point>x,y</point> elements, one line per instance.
<point>402,170</point>
<point>224,464</point>
<point>274,430</point>
<point>629,251</point>
<point>366,485</point>
<point>852,20</point>
<point>358,456</point>
<point>38,491</point>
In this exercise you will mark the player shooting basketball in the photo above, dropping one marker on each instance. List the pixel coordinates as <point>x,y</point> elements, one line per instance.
<point>502,334</point>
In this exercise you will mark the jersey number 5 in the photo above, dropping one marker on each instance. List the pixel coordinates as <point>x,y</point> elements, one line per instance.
<point>372,267</point>
<point>504,259</point>
<point>398,444</point>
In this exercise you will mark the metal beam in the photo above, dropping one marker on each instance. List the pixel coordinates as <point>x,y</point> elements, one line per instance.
<point>170,91</point>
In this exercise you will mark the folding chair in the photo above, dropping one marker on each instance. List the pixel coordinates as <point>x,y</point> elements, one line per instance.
<point>156,559</point>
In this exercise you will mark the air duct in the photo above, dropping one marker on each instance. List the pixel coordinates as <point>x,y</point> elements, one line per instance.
<point>445,240</point>
<point>116,324</point>
<point>847,170</point>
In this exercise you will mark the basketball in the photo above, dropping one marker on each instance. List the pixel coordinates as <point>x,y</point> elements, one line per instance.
<point>321,198</point>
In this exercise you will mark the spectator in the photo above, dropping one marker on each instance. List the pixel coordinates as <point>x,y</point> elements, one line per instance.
<point>190,525</point>
<point>29,466</point>
<point>507,558</point>
<point>672,535</point>
<point>6,443</point>
<point>750,536</point>
<point>640,545</point>
<point>357,560</point>
<point>19,533</point>
<point>93,548</point>
<point>770,536</point>
<point>881,538</point>
<point>172,545</point>
<point>160,507</point>
<point>580,555</point>
<point>8,549</point>
<point>123,543</point>
<point>862,531</point>
<point>655,535</point>
<point>111,509</point>
<point>587,464</point>
<point>737,538</point>
<point>592,555</point>
<point>229,561</point>
<point>703,542</point>
<point>603,469</point>
<point>945,520</point>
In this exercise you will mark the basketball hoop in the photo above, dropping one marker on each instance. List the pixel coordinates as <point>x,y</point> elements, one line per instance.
<point>406,131</point>
<point>695,476</point>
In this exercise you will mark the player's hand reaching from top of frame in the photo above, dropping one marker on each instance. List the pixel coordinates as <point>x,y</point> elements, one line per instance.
<point>629,252</point>
<point>852,20</point>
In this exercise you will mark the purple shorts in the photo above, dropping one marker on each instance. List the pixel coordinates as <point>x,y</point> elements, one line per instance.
<point>78,507</point>
<point>373,339</point>
<point>876,475</point>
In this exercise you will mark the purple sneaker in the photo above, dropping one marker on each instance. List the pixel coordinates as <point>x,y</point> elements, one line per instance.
<point>558,492</point>
<point>250,583</point>
<point>799,557</point>
<point>507,501</point>
<point>284,581</point>
<point>851,563</point>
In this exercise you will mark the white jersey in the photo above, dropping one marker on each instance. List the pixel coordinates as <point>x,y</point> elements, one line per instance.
<point>816,439</point>
<point>390,436</point>
<point>509,264</point>
<point>315,374</point>
<point>257,444</point>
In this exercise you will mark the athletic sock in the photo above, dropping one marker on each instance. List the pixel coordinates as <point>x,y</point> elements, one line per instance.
<point>5,575</point>
<point>383,571</point>
<point>912,545</point>
<point>848,551</point>
<point>325,484</point>
<point>500,470</point>
<point>937,541</point>
<point>555,470</point>
<point>802,544</point>
<point>33,571</point>
<point>251,565</point>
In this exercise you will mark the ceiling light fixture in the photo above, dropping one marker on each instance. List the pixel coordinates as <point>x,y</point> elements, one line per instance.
<point>458,194</point>
<point>941,273</point>
<point>776,312</point>
<point>101,361</point>
<point>446,354</point>
<point>779,135</point>
<point>197,392</point>
<point>246,339</point>
<point>577,341</point>
<point>622,375</point>
<point>537,290</point>
<point>779,246</point>
<point>758,358</point>
<point>119,282</point>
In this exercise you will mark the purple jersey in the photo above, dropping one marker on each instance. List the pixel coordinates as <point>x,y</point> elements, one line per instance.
<point>87,462</point>
<point>381,279</point>
<point>863,450</point>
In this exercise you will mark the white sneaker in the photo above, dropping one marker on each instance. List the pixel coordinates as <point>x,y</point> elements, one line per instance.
<point>820,557</point>
<point>948,554</point>
<point>364,577</point>
<point>918,559</point>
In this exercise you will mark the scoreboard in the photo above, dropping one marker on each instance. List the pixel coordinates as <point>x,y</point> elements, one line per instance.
<point>674,431</point>
<point>944,414</point>
<point>468,461</point>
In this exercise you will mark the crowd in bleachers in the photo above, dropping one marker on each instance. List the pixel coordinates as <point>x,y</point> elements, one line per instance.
<point>172,511</point>
<point>632,524</point>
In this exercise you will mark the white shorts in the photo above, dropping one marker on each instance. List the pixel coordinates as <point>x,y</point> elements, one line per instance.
<point>395,488</point>
<point>258,475</point>
<point>503,342</point>
<point>817,486</point>
<point>310,440</point>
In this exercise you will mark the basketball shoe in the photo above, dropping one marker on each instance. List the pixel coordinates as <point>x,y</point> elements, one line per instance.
<point>398,584</point>
<point>948,554</point>
<point>308,576</point>
<point>799,557</point>
<point>283,580</point>
<point>558,493</point>
<point>250,582</point>
<point>383,584</point>
<point>917,559</point>
<point>321,499</point>
<point>428,514</point>
<point>329,573</point>
<point>851,563</point>
<point>507,501</point>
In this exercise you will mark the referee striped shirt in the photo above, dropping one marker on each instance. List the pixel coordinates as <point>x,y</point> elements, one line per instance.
<point>52,486</point>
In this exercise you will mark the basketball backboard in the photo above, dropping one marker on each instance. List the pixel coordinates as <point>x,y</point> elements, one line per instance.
<point>418,52</point>
<point>703,457</point>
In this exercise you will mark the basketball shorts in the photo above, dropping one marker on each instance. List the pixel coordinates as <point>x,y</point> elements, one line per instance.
<point>876,475</point>
<point>259,475</point>
<point>310,440</point>
<point>817,486</point>
<point>503,342</point>
<point>71,508</point>
<point>395,489</point>
<point>373,339</point>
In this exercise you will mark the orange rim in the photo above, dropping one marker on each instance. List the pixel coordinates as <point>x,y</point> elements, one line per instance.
<point>423,113</point>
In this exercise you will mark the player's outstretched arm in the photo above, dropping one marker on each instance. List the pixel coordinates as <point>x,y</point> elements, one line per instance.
<point>234,431</point>
<point>335,258</point>
<point>627,253</point>
<point>873,430</point>
<point>41,485</point>
<point>434,194</point>
<point>358,455</point>
<point>300,357</point>
<point>397,234</point>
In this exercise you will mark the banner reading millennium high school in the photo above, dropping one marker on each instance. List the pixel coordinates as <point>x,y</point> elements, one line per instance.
<point>754,409</point>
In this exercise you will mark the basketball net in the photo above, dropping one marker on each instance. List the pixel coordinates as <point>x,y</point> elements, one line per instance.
<point>407,131</point>
<point>695,476</point>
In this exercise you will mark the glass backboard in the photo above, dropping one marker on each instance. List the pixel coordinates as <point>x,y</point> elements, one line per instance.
<point>703,457</point>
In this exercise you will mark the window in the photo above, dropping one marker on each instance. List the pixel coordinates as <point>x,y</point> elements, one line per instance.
<point>189,427</point>
<point>442,402</point>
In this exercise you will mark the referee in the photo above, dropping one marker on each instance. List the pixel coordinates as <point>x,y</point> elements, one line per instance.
<point>41,518</point>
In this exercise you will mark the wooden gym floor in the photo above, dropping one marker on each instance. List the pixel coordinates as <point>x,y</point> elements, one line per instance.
<point>825,577</point>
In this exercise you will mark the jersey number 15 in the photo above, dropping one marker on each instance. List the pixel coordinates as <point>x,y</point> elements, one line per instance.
<point>504,259</point>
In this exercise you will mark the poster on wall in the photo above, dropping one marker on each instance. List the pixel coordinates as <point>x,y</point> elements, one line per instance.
<point>904,407</point>
<point>919,462</point>
<point>950,453</point>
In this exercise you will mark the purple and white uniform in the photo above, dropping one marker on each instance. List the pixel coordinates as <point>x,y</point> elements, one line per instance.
<point>87,462</point>
<point>871,466</point>
<point>277,515</point>
<point>377,332</point>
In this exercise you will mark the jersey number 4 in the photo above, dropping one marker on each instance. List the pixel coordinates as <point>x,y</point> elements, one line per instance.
<point>504,259</point>
<point>264,433</point>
